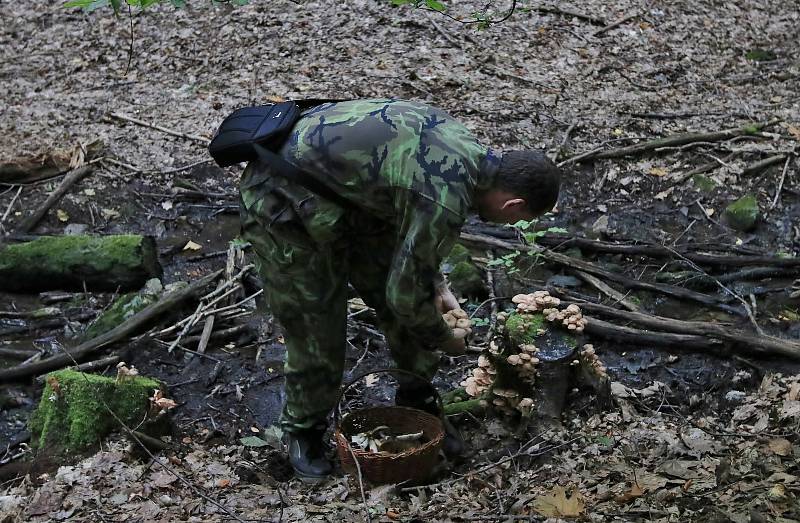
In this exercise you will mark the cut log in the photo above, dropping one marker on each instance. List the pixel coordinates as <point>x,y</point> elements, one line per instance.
<point>97,263</point>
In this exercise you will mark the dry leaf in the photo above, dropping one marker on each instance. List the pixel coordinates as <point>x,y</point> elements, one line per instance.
<point>635,492</point>
<point>89,192</point>
<point>658,171</point>
<point>62,215</point>
<point>192,246</point>
<point>794,131</point>
<point>780,446</point>
<point>371,380</point>
<point>558,504</point>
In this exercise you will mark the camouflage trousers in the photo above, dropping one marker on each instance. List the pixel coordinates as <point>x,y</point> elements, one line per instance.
<point>306,286</point>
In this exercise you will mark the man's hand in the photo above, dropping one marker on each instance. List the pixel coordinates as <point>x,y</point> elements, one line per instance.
<point>444,299</point>
<point>454,346</point>
<point>461,325</point>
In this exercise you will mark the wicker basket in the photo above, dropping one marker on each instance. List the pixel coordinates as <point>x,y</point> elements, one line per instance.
<point>412,465</point>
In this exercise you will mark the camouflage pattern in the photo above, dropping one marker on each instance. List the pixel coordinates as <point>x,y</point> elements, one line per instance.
<point>411,172</point>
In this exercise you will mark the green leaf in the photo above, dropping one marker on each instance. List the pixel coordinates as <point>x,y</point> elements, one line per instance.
<point>435,5</point>
<point>557,230</point>
<point>402,2</point>
<point>253,441</point>
<point>178,3</point>
<point>147,3</point>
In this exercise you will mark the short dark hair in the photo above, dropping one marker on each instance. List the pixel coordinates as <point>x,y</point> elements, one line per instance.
<point>530,175</point>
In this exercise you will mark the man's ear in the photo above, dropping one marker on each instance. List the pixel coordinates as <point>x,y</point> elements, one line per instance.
<point>514,202</point>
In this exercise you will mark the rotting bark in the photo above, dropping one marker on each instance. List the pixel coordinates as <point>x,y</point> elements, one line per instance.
<point>165,304</point>
<point>103,263</point>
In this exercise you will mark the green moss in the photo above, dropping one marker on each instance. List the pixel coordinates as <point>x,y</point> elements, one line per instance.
<point>523,329</point>
<point>454,396</point>
<point>704,183</point>
<point>474,406</point>
<point>123,308</point>
<point>458,254</point>
<point>71,415</point>
<point>466,279</point>
<point>743,213</point>
<point>80,257</point>
<point>761,55</point>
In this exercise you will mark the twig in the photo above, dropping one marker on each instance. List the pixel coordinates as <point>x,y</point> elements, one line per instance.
<point>444,34</point>
<point>614,25</point>
<point>763,164</point>
<point>360,483</point>
<point>172,132</point>
<point>679,139</point>
<point>165,304</point>
<point>560,148</point>
<point>566,12</point>
<point>608,291</point>
<point>90,366</point>
<point>10,205</point>
<point>561,259</point>
<point>704,168</point>
<point>777,191</point>
<point>69,180</point>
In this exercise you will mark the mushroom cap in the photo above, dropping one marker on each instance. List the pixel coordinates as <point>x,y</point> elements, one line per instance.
<point>525,402</point>
<point>483,361</point>
<point>514,359</point>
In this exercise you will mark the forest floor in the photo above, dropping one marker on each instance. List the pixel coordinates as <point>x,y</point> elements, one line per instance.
<point>694,436</point>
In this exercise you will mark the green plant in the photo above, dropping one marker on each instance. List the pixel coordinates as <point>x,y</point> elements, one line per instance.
<point>480,322</point>
<point>506,261</point>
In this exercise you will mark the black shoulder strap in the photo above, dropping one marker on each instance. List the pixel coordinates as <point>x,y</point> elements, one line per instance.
<point>285,169</point>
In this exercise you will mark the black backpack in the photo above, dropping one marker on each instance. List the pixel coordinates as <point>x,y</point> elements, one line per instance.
<point>257,132</point>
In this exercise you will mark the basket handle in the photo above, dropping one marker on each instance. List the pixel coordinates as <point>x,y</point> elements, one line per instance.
<point>364,374</point>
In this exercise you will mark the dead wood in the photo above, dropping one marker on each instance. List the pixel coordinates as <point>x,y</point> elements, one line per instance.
<point>596,20</point>
<point>608,291</point>
<point>132,325</point>
<point>742,341</point>
<point>614,25</point>
<point>166,130</point>
<point>16,354</point>
<point>760,165</point>
<point>29,223</point>
<point>90,366</point>
<point>658,251</point>
<point>669,290</point>
<point>700,169</point>
<point>676,140</point>
<point>604,329</point>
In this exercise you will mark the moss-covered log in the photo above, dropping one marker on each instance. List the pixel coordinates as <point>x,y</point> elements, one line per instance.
<point>72,414</point>
<point>98,263</point>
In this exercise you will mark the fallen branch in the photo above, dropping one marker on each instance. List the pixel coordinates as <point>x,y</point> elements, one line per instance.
<point>669,290</point>
<point>172,132</point>
<point>678,139</point>
<point>608,291</point>
<point>133,324</point>
<point>743,341</point>
<point>614,25</point>
<point>604,329</point>
<point>780,183</point>
<point>704,168</point>
<point>29,223</point>
<point>760,165</point>
<point>89,366</point>
<point>659,251</point>
<point>566,12</point>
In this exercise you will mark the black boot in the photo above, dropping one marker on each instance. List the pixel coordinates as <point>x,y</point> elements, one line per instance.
<point>423,397</point>
<point>307,454</point>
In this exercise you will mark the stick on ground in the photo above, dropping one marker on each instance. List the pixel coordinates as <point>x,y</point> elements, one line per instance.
<point>29,223</point>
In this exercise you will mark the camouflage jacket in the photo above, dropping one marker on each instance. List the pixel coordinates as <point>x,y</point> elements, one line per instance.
<point>400,163</point>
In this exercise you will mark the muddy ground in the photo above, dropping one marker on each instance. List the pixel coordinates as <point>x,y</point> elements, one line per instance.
<point>542,79</point>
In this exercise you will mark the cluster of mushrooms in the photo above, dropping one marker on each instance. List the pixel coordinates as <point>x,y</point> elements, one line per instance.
<point>458,320</point>
<point>508,400</point>
<point>541,301</point>
<point>525,362</point>
<point>482,378</point>
<point>571,317</point>
<point>535,302</point>
<point>590,357</point>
